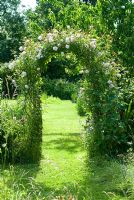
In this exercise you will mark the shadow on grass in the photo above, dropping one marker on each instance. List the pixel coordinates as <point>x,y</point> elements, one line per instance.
<point>20,183</point>
<point>21,180</point>
<point>62,134</point>
<point>67,143</point>
<point>106,180</point>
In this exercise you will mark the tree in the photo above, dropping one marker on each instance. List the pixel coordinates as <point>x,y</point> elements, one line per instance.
<point>118,19</point>
<point>12,29</point>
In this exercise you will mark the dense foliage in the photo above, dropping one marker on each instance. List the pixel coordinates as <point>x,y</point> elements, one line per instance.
<point>12,29</point>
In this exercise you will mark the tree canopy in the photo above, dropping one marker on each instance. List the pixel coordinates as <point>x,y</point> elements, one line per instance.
<point>12,29</point>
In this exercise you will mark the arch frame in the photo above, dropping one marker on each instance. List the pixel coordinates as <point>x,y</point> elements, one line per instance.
<point>101,94</point>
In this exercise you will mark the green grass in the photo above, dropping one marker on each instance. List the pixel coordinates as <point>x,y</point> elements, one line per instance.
<point>63,152</point>
<point>64,169</point>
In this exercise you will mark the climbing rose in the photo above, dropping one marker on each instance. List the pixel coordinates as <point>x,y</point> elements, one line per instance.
<point>23,53</point>
<point>26,86</point>
<point>50,38</point>
<point>4,145</point>
<point>68,27</point>
<point>23,74</point>
<point>11,65</point>
<point>39,55</point>
<point>21,48</point>
<point>14,118</point>
<point>67,46</point>
<point>55,48</point>
<point>111,85</point>
<point>13,81</point>
<point>93,43</point>
<point>67,40</point>
<point>40,38</point>
<point>72,38</point>
<point>110,82</point>
<point>123,7</point>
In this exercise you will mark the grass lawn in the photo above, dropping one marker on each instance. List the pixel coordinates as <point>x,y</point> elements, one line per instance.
<point>63,153</point>
<point>63,170</point>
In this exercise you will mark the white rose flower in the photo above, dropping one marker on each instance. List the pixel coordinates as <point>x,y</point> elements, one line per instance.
<point>14,118</point>
<point>111,86</point>
<point>23,53</point>
<point>50,38</point>
<point>49,34</point>
<point>106,64</point>
<point>81,72</point>
<point>115,24</point>
<point>11,65</point>
<point>78,35</point>
<point>93,43</point>
<point>86,71</point>
<point>14,82</point>
<point>23,74</point>
<point>113,63</point>
<point>91,27</point>
<point>21,48</point>
<point>62,53</point>
<point>67,40</point>
<point>55,48</point>
<point>39,55</point>
<point>118,75</point>
<point>72,38</point>
<point>109,82</point>
<point>4,145</point>
<point>123,7</point>
<point>100,54</point>
<point>26,86</point>
<point>67,46</point>
<point>68,26</point>
<point>40,38</point>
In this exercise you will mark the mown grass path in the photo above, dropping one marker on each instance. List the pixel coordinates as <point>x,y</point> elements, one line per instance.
<point>63,152</point>
<point>64,170</point>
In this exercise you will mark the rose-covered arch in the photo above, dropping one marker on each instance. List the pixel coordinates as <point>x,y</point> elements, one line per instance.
<point>98,84</point>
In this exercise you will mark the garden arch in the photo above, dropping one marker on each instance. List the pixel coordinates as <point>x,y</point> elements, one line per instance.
<point>98,85</point>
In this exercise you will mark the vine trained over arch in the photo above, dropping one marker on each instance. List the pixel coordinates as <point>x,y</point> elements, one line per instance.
<point>101,95</point>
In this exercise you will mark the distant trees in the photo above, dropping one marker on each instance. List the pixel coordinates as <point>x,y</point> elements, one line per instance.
<point>117,16</point>
<point>12,29</point>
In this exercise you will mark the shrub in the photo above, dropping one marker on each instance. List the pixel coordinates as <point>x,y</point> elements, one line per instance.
<point>60,88</point>
<point>13,138</point>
